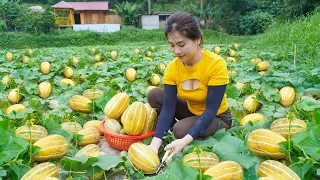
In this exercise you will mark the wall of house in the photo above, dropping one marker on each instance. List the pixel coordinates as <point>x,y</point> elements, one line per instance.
<point>99,17</point>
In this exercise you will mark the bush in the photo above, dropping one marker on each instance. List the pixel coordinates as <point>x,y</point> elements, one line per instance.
<point>2,26</point>
<point>39,22</point>
<point>255,22</point>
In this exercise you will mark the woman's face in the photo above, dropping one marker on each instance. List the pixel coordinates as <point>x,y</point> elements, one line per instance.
<point>185,49</point>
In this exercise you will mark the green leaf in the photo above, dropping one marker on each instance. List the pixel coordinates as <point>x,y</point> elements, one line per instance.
<point>303,169</point>
<point>207,143</point>
<point>108,162</point>
<point>309,104</point>
<point>233,92</point>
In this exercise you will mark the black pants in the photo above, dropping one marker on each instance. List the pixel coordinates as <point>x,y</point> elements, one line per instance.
<point>186,118</point>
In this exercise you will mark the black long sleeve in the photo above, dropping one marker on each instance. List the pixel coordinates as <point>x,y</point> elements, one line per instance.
<point>168,110</point>
<point>214,98</point>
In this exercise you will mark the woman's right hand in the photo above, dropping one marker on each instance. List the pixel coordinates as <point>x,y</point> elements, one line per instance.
<point>155,144</point>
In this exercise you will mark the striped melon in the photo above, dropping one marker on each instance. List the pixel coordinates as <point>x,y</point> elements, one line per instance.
<point>143,158</point>
<point>73,127</point>
<point>256,60</point>
<point>67,82</point>
<point>98,57</point>
<point>282,126</point>
<point>51,147</point>
<point>136,51</point>
<point>95,124</point>
<point>266,178</point>
<point>97,175</point>
<point>6,80</point>
<point>45,67</point>
<point>80,103</point>
<point>33,133</point>
<point>151,120</point>
<point>131,74</point>
<point>276,170</point>
<point>262,73</point>
<point>68,72</point>
<point>74,60</point>
<point>98,64</point>
<point>150,87</point>
<point>90,150</point>
<point>225,170</point>
<point>204,160</point>
<point>155,80</point>
<point>114,54</point>
<point>217,50</point>
<point>51,178</point>
<point>232,59</point>
<point>25,59</point>
<point>252,117</point>
<point>15,107</point>
<point>232,53</point>
<point>117,105</point>
<point>135,119</point>
<point>112,125</point>
<point>93,94</point>
<point>232,73</point>
<point>162,66</point>
<point>241,86</point>
<point>14,96</point>
<point>264,65</point>
<point>250,104</point>
<point>44,89</point>
<point>287,96</point>
<point>42,171</point>
<point>124,115</point>
<point>9,56</point>
<point>89,136</point>
<point>264,142</point>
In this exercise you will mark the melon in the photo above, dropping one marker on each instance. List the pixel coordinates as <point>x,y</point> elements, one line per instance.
<point>131,74</point>
<point>25,59</point>
<point>73,127</point>
<point>90,135</point>
<point>9,56</point>
<point>256,61</point>
<point>151,120</point>
<point>32,133</point>
<point>74,60</point>
<point>232,53</point>
<point>90,150</point>
<point>98,64</point>
<point>136,51</point>
<point>143,158</point>
<point>264,65</point>
<point>225,170</point>
<point>217,50</point>
<point>6,80</point>
<point>114,54</point>
<point>135,118</point>
<point>252,118</point>
<point>287,95</point>
<point>150,87</point>
<point>98,57</point>
<point>93,123</point>
<point>155,79</point>
<point>284,125</point>
<point>232,73</point>
<point>112,125</point>
<point>232,59</point>
<point>202,161</point>
<point>44,171</point>
<point>241,86</point>
<point>162,66</point>
<point>15,107</point>
<point>117,105</point>
<point>14,96</point>
<point>93,94</point>
<point>250,104</point>
<point>80,104</point>
<point>264,142</point>
<point>51,147</point>
<point>44,89</point>
<point>67,81</point>
<point>276,170</point>
<point>45,67</point>
<point>68,72</point>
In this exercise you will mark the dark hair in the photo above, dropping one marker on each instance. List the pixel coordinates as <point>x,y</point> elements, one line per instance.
<point>184,23</point>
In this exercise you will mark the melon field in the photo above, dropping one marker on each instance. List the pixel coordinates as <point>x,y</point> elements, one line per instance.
<point>53,100</point>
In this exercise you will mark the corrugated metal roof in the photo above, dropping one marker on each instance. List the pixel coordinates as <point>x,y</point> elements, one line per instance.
<point>82,6</point>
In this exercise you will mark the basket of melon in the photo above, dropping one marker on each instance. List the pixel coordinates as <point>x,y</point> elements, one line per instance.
<point>126,124</point>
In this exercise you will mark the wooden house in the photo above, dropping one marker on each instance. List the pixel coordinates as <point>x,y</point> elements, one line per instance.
<point>68,14</point>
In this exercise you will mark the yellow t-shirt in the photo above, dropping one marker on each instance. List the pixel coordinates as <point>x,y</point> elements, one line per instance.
<point>211,70</point>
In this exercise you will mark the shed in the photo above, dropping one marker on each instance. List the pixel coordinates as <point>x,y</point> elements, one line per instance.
<point>68,14</point>
<point>155,20</point>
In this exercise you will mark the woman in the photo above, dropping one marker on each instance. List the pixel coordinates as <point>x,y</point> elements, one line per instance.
<point>199,77</point>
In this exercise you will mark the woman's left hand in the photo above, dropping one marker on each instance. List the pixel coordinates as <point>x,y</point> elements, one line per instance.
<point>178,145</point>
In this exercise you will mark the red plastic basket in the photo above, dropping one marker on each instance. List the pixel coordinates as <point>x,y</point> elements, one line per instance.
<point>119,141</point>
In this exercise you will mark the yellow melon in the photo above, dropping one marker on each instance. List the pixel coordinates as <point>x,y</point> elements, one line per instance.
<point>73,127</point>
<point>98,64</point>
<point>90,136</point>
<point>25,59</point>
<point>117,105</point>
<point>114,54</point>
<point>266,178</point>
<point>6,80</point>
<point>112,125</point>
<point>68,72</point>
<point>143,158</point>
<point>155,80</point>
<point>95,124</point>
<point>42,171</point>
<point>232,73</point>
<point>217,50</point>
<point>9,56</point>
<point>150,87</point>
<point>225,170</point>
<point>264,142</point>
<point>33,133</point>
<point>135,119</point>
<point>98,57</point>
<point>256,61</point>
<point>131,74</point>
<point>262,73</point>
<point>162,66</point>
<point>232,53</point>
<point>287,95</point>
<point>124,115</point>
<point>80,103</point>
<point>151,120</point>
<point>90,150</point>
<point>93,94</point>
<point>276,170</point>
<point>44,89</point>
<point>136,51</point>
<point>51,147</point>
<point>45,67</point>
<point>264,65</point>
<point>67,82</point>
<point>232,59</point>
<point>284,125</point>
<point>14,96</point>
<point>74,60</point>
<point>202,161</point>
<point>15,107</point>
<point>250,104</point>
<point>241,86</point>
<point>252,117</point>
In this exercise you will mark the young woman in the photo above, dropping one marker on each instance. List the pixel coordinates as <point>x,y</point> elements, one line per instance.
<point>199,78</point>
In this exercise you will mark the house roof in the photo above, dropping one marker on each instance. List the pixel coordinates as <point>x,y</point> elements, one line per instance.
<point>81,6</point>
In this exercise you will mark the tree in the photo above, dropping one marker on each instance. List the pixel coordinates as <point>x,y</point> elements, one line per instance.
<point>127,11</point>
